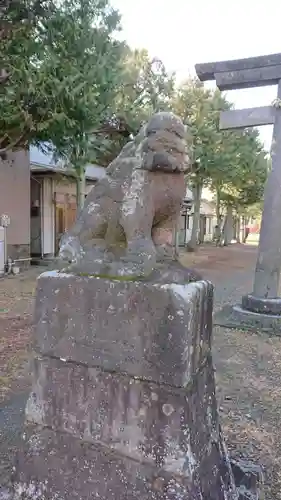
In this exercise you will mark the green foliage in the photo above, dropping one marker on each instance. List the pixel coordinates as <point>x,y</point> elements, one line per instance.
<point>231,162</point>
<point>244,184</point>
<point>67,81</point>
<point>63,78</point>
<point>192,103</point>
<point>145,87</point>
<point>20,49</point>
<point>72,86</point>
<point>88,71</point>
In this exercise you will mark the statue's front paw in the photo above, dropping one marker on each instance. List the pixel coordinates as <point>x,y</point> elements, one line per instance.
<point>128,270</point>
<point>70,250</point>
<point>66,255</point>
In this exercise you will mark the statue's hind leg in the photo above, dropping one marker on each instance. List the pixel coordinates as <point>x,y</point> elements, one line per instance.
<point>83,245</point>
<point>140,256</point>
<point>163,236</point>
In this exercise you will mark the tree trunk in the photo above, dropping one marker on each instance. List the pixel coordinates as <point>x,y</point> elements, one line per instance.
<point>218,206</point>
<point>228,226</point>
<point>222,231</point>
<point>246,220</point>
<point>238,230</point>
<point>197,193</point>
<point>176,237</point>
<point>80,188</point>
<point>243,227</point>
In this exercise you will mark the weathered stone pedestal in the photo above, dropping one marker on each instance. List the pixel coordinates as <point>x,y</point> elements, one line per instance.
<point>123,402</point>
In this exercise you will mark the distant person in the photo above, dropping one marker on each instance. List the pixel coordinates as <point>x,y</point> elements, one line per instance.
<point>247,232</point>
<point>216,235</point>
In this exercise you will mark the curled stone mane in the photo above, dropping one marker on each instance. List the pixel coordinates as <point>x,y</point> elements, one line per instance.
<point>164,131</point>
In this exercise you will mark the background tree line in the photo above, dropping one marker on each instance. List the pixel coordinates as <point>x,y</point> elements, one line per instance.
<point>70,84</point>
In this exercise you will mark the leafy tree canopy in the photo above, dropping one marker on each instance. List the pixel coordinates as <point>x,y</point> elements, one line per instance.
<point>66,81</point>
<point>64,68</point>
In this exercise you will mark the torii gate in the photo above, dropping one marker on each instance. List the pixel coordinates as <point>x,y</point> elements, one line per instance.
<point>249,73</point>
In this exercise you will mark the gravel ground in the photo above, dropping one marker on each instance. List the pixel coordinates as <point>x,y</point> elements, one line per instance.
<point>16,304</point>
<point>247,365</point>
<point>248,368</point>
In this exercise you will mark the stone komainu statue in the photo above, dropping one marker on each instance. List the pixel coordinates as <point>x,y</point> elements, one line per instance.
<point>126,225</point>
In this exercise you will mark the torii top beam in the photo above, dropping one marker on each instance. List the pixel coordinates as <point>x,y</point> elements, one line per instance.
<point>242,73</point>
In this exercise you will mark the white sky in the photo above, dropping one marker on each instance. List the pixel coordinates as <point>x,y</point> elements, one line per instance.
<point>185,32</point>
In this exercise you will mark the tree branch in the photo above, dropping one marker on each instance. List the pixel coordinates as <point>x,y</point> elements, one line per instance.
<point>12,145</point>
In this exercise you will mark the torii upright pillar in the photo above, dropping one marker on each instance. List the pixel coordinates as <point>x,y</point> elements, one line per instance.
<point>262,308</point>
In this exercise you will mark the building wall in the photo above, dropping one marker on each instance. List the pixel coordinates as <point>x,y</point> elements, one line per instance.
<point>48,222</point>
<point>15,202</point>
<point>66,186</point>
<point>210,225</point>
<point>35,216</point>
<point>54,188</point>
<point>185,228</point>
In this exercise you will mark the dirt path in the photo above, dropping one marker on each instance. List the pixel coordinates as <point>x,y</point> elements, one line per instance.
<point>248,365</point>
<point>16,306</point>
<point>248,368</point>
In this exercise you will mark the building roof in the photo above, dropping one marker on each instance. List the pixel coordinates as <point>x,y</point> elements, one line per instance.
<point>44,162</point>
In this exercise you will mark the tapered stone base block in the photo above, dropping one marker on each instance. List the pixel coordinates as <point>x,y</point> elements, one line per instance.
<point>237,317</point>
<point>262,306</point>
<point>123,402</point>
